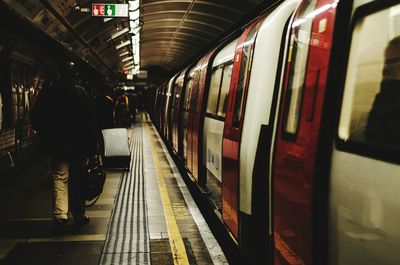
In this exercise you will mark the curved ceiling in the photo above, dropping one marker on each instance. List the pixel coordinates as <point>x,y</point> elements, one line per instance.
<point>172,32</point>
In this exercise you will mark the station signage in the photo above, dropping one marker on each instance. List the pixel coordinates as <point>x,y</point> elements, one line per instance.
<point>110,10</point>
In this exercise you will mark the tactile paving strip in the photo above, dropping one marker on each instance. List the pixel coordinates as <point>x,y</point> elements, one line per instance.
<point>128,236</point>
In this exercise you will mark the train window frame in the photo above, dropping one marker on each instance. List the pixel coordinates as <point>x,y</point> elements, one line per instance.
<point>174,95</point>
<point>349,146</point>
<point>194,97</point>
<point>212,110</point>
<point>216,115</point>
<point>290,65</point>
<point>188,92</point>
<point>245,70</point>
<point>227,65</point>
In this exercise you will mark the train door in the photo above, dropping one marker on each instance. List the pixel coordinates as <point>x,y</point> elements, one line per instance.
<point>297,137</point>
<point>185,111</point>
<point>162,110</point>
<point>160,106</point>
<point>217,104</point>
<point>196,116</point>
<point>365,167</point>
<point>171,89</point>
<point>156,106</point>
<point>256,135</point>
<point>176,99</point>
<point>233,126</point>
<point>167,111</point>
<point>192,113</point>
<point>176,114</point>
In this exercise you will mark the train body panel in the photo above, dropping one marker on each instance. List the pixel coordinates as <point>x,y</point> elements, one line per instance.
<point>214,120</point>
<point>196,116</point>
<point>176,107</point>
<point>364,178</point>
<point>297,137</point>
<point>185,110</point>
<point>212,145</point>
<point>233,126</point>
<point>156,108</point>
<point>163,100</point>
<point>268,45</point>
<point>167,109</point>
<point>192,126</point>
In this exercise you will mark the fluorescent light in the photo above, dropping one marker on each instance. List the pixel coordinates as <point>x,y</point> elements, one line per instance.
<point>130,63</point>
<point>124,53</point>
<point>133,15</point>
<point>133,5</point>
<point>119,33</point>
<point>119,46</point>
<point>127,59</point>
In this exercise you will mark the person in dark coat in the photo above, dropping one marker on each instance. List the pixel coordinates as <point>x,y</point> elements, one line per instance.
<point>383,126</point>
<point>105,109</point>
<point>64,118</point>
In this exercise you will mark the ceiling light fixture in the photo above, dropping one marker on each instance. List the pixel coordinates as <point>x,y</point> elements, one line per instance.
<point>126,43</point>
<point>130,63</point>
<point>127,59</point>
<point>119,33</point>
<point>124,53</point>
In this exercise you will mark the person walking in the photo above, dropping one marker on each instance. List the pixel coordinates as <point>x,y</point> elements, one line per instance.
<point>104,108</point>
<point>65,120</point>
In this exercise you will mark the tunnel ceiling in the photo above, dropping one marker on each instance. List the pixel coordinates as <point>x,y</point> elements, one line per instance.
<point>174,31</point>
<point>171,31</point>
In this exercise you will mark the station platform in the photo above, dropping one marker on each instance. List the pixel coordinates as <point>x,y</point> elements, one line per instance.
<point>144,216</point>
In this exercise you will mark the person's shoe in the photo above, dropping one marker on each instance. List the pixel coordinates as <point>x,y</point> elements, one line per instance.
<point>59,226</point>
<point>81,221</point>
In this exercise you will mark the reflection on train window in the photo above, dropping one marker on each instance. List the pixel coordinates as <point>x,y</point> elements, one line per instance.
<point>223,98</point>
<point>188,94</point>
<point>214,90</point>
<point>371,103</point>
<point>178,92</point>
<point>195,93</point>
<point>174,99</point>
<point>297,59</point>
<point>247,53</point>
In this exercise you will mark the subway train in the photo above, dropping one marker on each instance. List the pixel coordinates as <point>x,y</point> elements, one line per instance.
<point>289,129</point>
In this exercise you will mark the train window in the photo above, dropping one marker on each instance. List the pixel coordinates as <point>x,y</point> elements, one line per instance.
<point>297,61</point>
<point>215,84</point>
<point>225,85</point>
<point>195,93</point>
<point>371,102</point>
<point>176,95</point>
<point>247,53</point>
<point>188,94</point>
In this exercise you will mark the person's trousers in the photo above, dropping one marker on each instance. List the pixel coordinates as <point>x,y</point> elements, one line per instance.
<point>68,189</point>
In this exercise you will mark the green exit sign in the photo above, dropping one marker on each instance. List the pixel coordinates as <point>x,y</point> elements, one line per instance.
<point>110,10</point>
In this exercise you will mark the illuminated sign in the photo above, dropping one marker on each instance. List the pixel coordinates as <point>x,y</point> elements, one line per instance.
<point>110,10</point>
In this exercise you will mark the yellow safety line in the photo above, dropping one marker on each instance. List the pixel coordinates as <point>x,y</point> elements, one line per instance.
<point>175,238</point>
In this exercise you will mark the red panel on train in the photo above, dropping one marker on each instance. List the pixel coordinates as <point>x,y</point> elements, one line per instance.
<point>299,124</point>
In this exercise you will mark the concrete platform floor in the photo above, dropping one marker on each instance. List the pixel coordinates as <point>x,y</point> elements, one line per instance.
<point>144,216</point>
